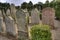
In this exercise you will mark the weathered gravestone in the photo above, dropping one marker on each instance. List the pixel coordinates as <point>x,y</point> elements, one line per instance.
<point>2,24</point>
<point>10,26</point>
<point>27,16</point>
<point>0,13</point>
<point>48,15</point>
<point>26,12</point>
<point>35,16</point>
<point>8,12</point>
<point>13,11</point>
<point>3,13</point>
<point>21,23</point>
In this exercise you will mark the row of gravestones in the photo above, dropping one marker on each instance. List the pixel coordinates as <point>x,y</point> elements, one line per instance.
<point>8,24</point>
<point>48,17</point>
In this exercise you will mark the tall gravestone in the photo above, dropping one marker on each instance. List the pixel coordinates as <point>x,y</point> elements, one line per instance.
<point>35,16</point>
<point>2,24</point>
<point>10,26</point>
<point>48,15</point>
<point>21,23</point>
<point>13,11</point>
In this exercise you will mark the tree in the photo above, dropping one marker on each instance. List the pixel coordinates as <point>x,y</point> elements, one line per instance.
<point>57,10</point>
<point>17,7</point>
<point>56,5</point>
<point>38,5</point>
<point>24,5</point>
<point>4,6</point>
<point>46,4</point>
<point>30,6</point>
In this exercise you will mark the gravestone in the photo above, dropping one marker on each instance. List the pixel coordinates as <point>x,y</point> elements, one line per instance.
<point>48,15</point>
<point>26,12</point>
<point>10,26</point>
<point>13,11</point>
<point>8,12</point>
<point>21,23</point>
<point>0,13</point>
<point>27,16</point>
<point>2,26</point>
<point>35,16</point>
<point>3,13</point>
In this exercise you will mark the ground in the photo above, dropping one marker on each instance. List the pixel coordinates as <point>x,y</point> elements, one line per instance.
<point>56,32</point>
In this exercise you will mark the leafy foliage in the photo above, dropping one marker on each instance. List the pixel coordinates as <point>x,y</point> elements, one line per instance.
<point>38,5</point>
<point>40,32</point>
<point>30,6</point>
<point>24,5</point>
<point>4,6</point>
<point>57,8</point>
<point>46,4</point>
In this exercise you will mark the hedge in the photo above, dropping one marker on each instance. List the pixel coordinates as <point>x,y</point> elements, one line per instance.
<point>40,32</point>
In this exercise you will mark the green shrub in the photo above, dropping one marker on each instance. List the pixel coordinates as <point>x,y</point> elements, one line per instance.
<point>40,32</point>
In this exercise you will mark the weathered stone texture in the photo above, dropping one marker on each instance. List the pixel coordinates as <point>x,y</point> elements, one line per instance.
<point>21,20</point>
<point>2,26</point>
<point>35,16</point>
<point>48,15</point>
<point>21,23</point>
<point>13,11</point>
<point>10,26</point>
<point>0,13</point>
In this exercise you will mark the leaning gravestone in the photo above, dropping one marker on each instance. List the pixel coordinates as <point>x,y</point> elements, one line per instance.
<point>10,26</point>
<point>35,16</point>
<point>21,23</point>
<point>48,15</point>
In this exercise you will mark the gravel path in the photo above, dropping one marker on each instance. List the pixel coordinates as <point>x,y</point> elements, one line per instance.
<point>56,32</point>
